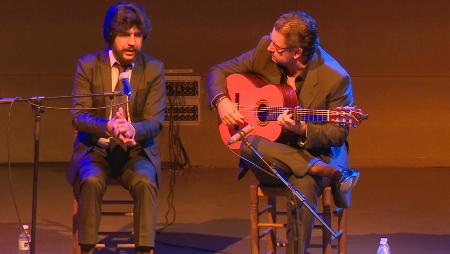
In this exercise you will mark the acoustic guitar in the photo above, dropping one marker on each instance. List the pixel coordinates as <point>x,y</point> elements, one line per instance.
<point>261,103</point>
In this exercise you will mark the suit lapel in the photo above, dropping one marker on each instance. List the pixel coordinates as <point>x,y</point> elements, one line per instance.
<point>309,92</point>
<point>105,73</point>
<point>136,77</point>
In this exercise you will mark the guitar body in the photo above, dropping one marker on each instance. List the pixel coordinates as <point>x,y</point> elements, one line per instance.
<point>250,93</point>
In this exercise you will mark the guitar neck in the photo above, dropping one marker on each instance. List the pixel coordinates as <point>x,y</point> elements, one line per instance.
<point>299,114</point>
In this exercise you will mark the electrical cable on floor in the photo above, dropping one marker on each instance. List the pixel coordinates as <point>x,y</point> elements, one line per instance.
<point>178,160</point>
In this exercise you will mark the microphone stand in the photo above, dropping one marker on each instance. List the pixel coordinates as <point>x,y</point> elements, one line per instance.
<point>37,102</point>
<point>297,194</point>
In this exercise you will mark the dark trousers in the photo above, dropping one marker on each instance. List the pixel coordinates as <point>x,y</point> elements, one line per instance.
<point>135,173</point>
<point>293,164</point>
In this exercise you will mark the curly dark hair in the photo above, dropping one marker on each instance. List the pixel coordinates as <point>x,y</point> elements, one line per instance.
<point>122,16</point>
<point>300,30</point>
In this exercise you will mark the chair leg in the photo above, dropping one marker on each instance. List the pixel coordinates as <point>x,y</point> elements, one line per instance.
<point>75,247</point>
<point>254,219</point>
<point>326,213</point>
<point>272,218</point>
<point>342,225</point>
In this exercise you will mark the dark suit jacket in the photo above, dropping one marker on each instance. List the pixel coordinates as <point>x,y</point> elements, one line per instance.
<point>326,86</point>
<point>147,107</point>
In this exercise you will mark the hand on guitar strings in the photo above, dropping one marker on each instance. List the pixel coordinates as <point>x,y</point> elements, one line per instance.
<point>121,128</point>
<point>285,120</point>
<point>228,113</point>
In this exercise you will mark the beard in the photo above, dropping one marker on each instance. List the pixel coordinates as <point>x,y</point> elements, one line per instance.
<point>126,56</point>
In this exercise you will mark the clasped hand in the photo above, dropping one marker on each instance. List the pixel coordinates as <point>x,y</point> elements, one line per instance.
<point>119,127</point>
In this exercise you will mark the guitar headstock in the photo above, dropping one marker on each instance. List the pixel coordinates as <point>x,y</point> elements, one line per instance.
<point>348,115</point>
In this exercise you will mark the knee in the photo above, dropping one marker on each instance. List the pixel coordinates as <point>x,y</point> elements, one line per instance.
<point>93,184</point>
<point>244,150</point>
<point>142,185</point>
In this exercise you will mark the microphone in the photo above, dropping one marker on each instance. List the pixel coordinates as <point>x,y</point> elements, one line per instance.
<point>240,134</point>
<point>126,83</point>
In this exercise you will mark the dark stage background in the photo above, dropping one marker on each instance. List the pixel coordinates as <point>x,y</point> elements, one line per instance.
<point>396,51</point>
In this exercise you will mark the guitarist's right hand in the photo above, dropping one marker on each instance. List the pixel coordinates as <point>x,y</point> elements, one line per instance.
<point>228,113</point>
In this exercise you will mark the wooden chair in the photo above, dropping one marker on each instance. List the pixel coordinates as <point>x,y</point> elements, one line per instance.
<point>111,239</point>
<point>268,228</point>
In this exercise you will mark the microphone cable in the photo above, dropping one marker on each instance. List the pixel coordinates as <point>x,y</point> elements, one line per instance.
<point>178,160</point>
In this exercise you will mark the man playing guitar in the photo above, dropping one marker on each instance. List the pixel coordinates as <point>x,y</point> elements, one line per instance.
<point>311,155</point>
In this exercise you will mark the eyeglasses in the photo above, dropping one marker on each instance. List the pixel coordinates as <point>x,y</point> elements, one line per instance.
<point>276,47</point>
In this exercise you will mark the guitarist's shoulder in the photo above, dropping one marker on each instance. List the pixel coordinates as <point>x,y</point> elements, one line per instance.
<point>327,63</point>
<point>263,42</point>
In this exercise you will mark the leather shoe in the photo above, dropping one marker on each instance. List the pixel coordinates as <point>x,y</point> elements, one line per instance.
<point>341,186</point>
<point>347,179</point>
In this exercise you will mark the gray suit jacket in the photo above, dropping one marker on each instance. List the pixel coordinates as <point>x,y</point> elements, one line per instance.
<point>147,107</point>
<point>326,86</point>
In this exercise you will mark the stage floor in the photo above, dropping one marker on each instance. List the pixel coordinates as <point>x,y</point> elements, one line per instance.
<point>411,206</point>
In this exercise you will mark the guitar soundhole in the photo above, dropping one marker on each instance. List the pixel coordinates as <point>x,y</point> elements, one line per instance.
<point>263,113</point>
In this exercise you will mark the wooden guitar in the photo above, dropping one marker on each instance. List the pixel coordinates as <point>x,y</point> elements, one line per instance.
<point>261,103</point>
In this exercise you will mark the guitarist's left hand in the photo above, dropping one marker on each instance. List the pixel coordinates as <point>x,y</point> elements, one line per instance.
<point>286,121</point>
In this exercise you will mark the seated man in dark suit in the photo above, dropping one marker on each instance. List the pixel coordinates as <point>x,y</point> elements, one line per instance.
<point>310,155</point>
<point>119,141</point>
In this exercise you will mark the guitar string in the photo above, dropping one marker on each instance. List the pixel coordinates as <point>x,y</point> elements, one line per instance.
<point>347,108</point>
<point>272,108</point>
<point>350,120</point>
<point>305,113</point>
<point>281,110</point>
<point>310,115</point>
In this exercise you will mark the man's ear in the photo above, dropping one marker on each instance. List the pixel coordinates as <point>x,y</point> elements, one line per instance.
<point>298,53</point>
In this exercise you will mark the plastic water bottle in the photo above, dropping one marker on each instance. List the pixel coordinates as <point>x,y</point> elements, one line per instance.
<point>384,247</point>
<point>24,245</point>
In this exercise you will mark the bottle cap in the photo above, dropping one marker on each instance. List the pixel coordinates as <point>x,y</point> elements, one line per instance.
<point>25,226</point>
<point>383,240</point>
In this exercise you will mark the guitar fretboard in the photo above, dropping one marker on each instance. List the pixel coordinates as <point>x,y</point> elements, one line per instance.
<point>300,114</point>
